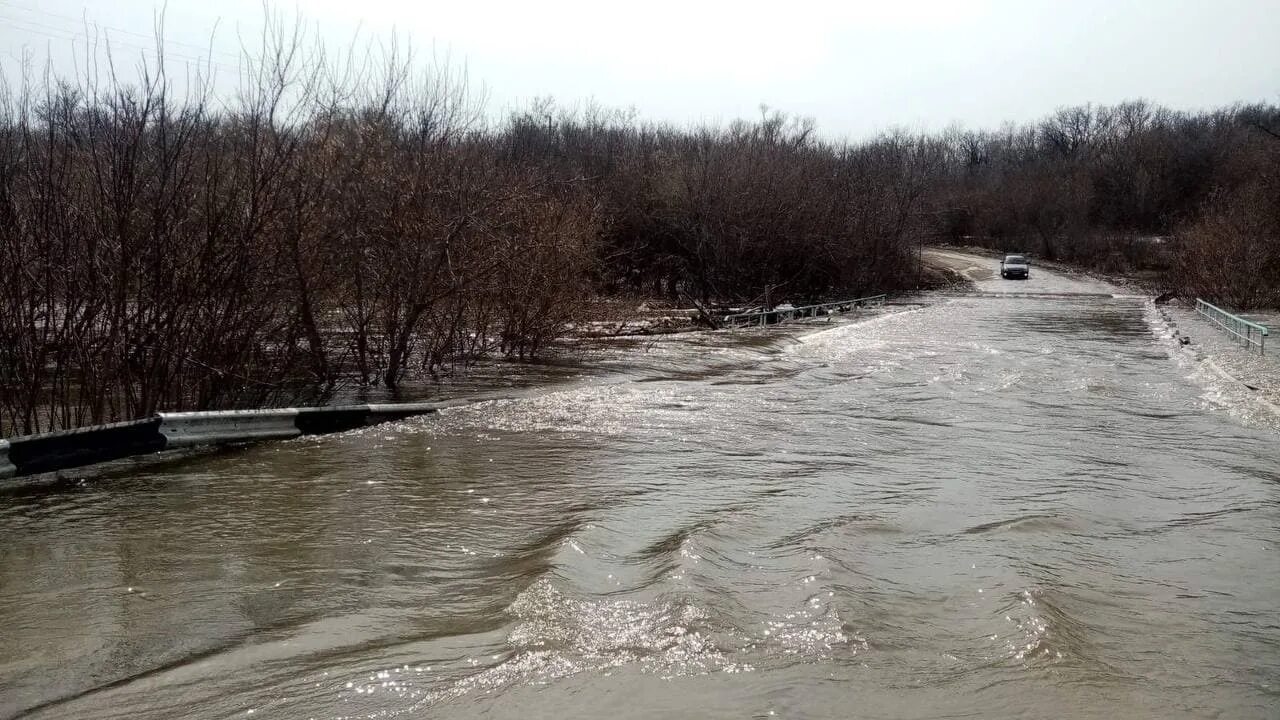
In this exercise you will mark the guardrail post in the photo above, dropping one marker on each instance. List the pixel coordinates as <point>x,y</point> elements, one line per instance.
<point>7,468</point>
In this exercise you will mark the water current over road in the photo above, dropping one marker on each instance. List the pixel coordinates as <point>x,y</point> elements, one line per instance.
<point>981,507</point>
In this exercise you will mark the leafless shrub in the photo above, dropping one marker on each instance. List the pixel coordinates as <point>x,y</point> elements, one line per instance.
<point>1231,254</point>
<point>342,218</point>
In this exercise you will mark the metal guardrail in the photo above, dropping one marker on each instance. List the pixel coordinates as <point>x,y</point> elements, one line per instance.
<point>1248,332</point>
<point>776,315</point>
<point>65,449</point>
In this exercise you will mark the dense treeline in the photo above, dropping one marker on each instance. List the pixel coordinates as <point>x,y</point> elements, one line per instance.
<point>1191,198</point>
<point>344,222</point>
<point>756,211</point>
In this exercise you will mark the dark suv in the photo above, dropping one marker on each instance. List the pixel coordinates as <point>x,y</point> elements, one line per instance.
<point>1015,266</point>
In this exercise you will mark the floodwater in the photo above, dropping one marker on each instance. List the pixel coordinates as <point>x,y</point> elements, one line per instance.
<point>980,507</point>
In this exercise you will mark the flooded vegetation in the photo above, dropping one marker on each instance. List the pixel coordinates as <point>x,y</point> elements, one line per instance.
<point>362,222</point>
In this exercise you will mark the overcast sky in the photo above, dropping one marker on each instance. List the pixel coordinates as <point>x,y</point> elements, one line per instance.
<point>857,68</point>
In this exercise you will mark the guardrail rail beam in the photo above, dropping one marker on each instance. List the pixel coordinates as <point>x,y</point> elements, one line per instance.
<point>1246,331</point>
<point>66,449</point>
<point>775,315</point>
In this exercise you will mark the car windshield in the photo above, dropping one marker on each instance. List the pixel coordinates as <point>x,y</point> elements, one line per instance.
<point>1015,259</point>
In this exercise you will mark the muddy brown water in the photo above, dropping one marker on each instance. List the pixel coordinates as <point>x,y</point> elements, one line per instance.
<point>980,508</point>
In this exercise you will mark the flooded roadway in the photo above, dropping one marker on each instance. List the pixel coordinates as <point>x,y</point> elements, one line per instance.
<point>983,507</point>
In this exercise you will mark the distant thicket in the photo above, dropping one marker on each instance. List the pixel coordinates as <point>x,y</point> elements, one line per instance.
<point>1189,200</point>
<point>757,211</point>
<point>344,222</point>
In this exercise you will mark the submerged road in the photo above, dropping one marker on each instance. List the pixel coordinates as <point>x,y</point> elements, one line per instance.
<point>985,507</point>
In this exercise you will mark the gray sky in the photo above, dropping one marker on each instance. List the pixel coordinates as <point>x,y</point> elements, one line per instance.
<point>855,67</point>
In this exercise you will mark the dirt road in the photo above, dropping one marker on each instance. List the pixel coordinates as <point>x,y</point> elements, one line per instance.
<point>985,274</point>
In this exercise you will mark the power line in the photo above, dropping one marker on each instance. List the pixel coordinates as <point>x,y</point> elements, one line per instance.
<point>108,42</point>
<point>83,21</point>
